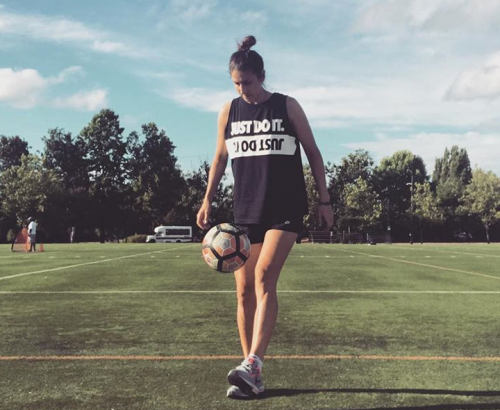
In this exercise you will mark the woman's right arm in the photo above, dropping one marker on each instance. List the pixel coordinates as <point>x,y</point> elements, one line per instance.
<point>216,170</point>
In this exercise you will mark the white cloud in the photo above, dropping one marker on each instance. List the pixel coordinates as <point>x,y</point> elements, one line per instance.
<point>84,101</point>
<point>427,15</point>
<point>202,99</point>
<point>393,102</point>
<point>63,30</point>
<point>27,88</point>
<point>22,88</point>
<point>66,74</point>
<point>130,121</point>
<point>108,46</point>
<point>46,28</point>
<point>482,149</point>
<point>477,83</point>
<point>190,11</point>
<point>254,17</point>
<point>387,15</point>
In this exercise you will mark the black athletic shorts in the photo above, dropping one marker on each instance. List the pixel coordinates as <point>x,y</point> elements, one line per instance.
<point>257,232</point>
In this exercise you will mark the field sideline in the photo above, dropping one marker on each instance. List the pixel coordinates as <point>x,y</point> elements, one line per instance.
<point>150,326</point>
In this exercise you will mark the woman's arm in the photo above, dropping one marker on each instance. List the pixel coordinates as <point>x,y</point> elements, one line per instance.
<point>217,169</point>
<point>301,125</point>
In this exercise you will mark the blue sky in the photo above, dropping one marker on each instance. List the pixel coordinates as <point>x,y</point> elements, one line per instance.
<point>380,75</point>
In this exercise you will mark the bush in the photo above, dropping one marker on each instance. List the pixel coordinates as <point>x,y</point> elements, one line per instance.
<point>137,238</point>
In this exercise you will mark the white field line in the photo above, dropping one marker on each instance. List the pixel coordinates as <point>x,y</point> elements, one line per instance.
<point>149,292</point>
<point>456,252</point>
<point>235,357</point>
<point>91,263</point>
<point>422,264</point>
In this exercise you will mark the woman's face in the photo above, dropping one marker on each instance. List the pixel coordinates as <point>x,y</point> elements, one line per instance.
<point>248,85</point>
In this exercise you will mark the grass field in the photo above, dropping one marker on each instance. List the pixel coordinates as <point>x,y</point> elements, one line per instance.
<point>124,326</point>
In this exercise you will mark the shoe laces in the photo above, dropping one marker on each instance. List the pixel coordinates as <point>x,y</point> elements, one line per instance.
<point>251,367</point>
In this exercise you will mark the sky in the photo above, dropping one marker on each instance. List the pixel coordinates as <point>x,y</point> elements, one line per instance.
<point>378,75</point>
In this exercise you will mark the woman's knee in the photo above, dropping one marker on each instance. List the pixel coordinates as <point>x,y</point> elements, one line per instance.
<point>246,293</point>
<point>266,281</point>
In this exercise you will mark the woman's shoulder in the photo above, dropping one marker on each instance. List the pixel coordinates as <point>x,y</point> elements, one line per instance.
<point>224,113</point>
<point>288,99</point>
<point>226,108</point>
<point>291,103</point>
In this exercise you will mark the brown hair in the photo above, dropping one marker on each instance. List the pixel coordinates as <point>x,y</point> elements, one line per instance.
<point>247,60</point>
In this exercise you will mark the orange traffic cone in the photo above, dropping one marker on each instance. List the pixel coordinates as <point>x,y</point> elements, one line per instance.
<point>41,248</point>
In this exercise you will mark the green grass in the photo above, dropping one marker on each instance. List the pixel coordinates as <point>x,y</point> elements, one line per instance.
<point>144,300</point>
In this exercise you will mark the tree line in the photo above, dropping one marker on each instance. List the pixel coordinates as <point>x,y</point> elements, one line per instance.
<point>110,186</point>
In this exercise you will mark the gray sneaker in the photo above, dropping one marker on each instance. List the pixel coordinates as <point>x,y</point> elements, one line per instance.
<point>247,377</point>
<point>234,392</point>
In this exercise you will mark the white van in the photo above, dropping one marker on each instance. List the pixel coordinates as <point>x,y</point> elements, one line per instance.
<point>175,234</point>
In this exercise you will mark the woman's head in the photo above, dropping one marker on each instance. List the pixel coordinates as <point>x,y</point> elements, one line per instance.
<point>247,60</point>
<point>246,68</point>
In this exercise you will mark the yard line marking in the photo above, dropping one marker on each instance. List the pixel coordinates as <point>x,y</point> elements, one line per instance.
<point>91,263</point>
<point>336,258</point>
<point>459,253</point>
<point>236,357</point>
<point>138,292</point>
<point>423,264</point>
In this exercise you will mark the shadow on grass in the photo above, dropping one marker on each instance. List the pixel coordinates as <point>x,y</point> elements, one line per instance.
<point>462,406</point>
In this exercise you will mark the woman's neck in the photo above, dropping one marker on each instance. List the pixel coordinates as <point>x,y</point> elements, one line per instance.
<point>262,97</point>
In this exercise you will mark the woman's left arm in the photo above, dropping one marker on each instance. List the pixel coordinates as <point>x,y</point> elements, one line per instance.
<point>301,125</point>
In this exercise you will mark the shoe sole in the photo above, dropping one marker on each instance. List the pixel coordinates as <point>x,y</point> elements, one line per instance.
<point>247,388</point>
<point>240,396</point>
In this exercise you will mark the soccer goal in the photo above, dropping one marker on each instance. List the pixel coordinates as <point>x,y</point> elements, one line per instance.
<point>322,237</point>
<point>375,237</point>
<point>22,242</point>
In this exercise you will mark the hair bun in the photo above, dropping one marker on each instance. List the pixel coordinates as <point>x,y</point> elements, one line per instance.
<point>247,43</point>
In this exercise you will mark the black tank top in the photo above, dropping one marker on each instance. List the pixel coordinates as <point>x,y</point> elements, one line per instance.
<point>269,182</point>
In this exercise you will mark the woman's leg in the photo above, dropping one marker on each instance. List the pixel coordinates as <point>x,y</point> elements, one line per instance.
<point>247,301</point>
<point>275,249</point>
<point>271,258</point>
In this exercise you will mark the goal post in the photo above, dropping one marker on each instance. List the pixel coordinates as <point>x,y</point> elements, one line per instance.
<point>21,242</point>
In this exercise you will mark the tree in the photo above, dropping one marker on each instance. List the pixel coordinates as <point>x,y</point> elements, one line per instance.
<point>155,177</point>
<point>26,188</point>
<point>356,165</point>
<point>362,207</point>
<point>11,151</point>
<point>105,157</point>
<point>310,220</point>
<point>452,173</point>
<point>394,181</point>
<point>184,213</point>
<point>454,164</point>
<point>481,198</point>
<point>425,206</point>
<point>66,156</point>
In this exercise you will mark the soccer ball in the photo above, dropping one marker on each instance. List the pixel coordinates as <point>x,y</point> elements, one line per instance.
<point>226,248</point>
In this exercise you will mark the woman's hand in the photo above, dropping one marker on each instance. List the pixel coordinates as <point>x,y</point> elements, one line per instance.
<point>203,215</point>
<point>325,216</point>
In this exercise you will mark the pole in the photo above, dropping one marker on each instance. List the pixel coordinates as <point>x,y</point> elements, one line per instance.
<point>411,208</point>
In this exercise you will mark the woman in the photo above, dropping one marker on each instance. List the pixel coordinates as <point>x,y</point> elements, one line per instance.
<point>260,131</point>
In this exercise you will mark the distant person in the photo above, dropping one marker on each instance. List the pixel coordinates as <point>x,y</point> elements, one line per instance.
<point>72,234</point>
<point>32,234</point>
<point>262,133</point>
